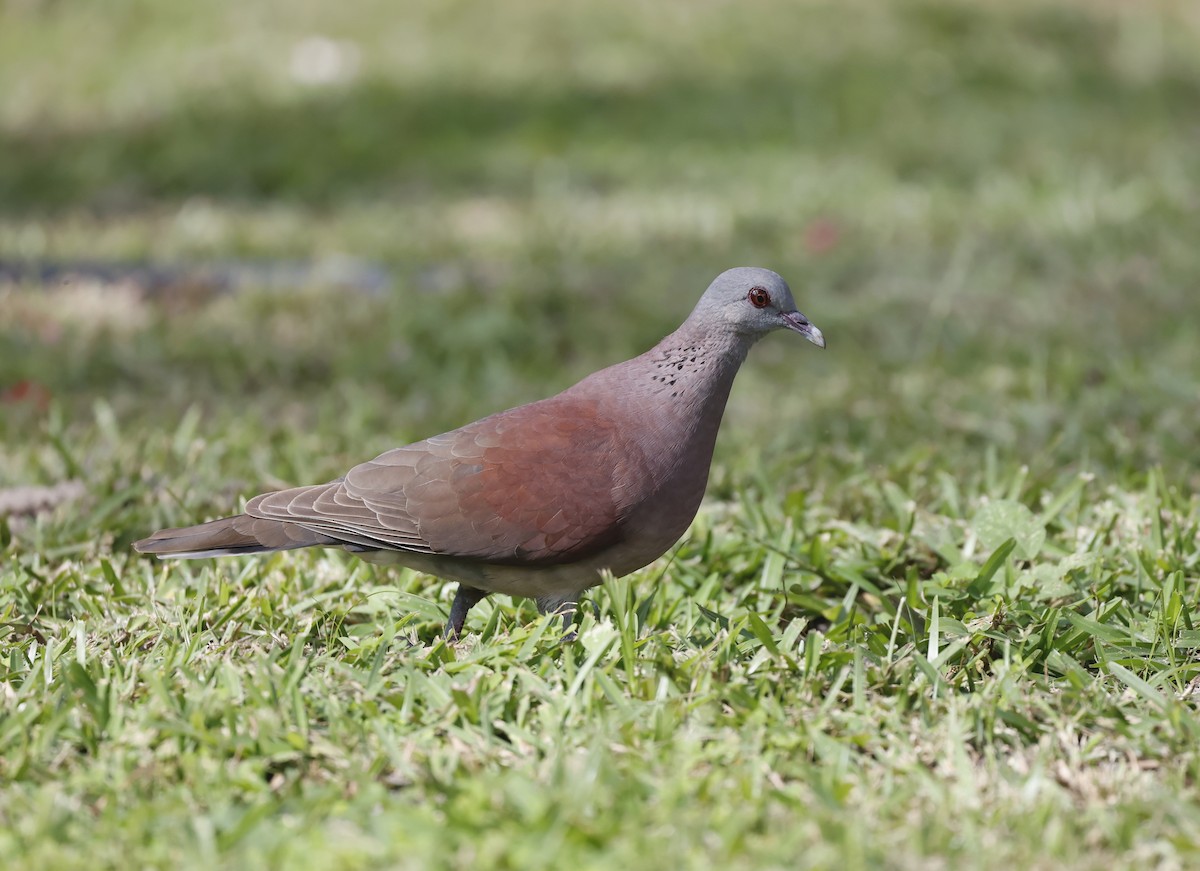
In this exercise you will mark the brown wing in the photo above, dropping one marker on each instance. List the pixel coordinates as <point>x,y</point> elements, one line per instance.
<point>534,485</point>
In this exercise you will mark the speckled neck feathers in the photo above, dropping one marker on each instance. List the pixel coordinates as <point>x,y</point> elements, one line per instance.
<point>671,400</point>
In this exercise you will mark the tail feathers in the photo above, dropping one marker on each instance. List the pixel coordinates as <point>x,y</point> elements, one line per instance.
<point>230,536</point>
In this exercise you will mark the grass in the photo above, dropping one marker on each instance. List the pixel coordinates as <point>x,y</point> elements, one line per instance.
<point>937,609</point>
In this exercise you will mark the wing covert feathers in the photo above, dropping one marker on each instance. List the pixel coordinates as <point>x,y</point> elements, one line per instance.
<point>536,485</point>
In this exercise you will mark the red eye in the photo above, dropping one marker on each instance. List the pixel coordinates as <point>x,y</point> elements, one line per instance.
<point>759,298</point>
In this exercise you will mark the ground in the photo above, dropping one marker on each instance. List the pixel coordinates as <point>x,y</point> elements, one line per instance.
<point>938,608</point>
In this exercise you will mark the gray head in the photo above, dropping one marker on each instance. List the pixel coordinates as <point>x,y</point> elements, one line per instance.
<point>753,302</point>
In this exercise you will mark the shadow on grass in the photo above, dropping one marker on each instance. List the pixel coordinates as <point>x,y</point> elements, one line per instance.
<point>965,100</point>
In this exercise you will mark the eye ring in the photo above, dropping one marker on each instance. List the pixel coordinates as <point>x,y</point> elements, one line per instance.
<point>759,297</point>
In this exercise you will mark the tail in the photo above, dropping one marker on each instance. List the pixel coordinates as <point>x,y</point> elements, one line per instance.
<point>230,536</point>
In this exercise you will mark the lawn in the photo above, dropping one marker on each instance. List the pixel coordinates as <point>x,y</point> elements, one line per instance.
<point>937,610</point>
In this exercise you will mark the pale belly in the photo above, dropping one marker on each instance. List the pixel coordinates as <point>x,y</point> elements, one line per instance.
<point>535,582</point>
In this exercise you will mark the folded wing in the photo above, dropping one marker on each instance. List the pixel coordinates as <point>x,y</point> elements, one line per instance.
<point>536,485</point>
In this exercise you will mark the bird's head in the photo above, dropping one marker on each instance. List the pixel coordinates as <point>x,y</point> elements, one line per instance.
<point>753,302</point>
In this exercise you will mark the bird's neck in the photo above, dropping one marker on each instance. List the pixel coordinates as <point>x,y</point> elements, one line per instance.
<point>680,388</point>
<point>695,367</point>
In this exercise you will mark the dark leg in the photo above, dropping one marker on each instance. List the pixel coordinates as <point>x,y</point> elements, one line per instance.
<point>465,599</point>
<point>564,605</point>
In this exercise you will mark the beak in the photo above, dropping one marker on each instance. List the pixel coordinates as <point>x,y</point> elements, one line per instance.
<point>799,323</point>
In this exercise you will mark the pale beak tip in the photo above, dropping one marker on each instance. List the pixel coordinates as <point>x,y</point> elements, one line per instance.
<point>799,323</point>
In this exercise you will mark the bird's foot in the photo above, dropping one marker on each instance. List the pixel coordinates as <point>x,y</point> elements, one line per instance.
<point>464,600</point>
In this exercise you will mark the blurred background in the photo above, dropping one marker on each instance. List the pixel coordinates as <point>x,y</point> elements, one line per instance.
<point>303,232</point>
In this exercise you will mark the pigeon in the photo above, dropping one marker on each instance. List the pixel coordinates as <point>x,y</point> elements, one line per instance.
<point>540,500</point>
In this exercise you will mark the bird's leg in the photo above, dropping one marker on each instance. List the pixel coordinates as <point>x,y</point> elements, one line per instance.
<point>564,605</point>
<point>465,599</point>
